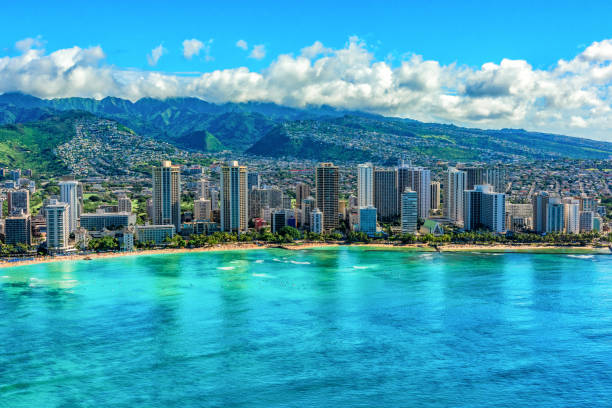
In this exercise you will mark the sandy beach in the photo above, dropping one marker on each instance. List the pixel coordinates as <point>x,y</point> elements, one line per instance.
<point>238,246</point>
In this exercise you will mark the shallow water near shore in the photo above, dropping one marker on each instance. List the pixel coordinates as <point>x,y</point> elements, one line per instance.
<point>340,326</point>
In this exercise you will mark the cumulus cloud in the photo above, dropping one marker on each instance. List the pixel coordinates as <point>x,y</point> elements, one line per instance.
<point>573,96</point>
<point>242,44</point>
<point>194,47</point>
<point>155,55</point>
<point>28,43</point>
<point>258,52</point>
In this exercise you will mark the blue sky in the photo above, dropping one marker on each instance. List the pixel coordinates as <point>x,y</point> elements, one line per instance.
<point>480,63</point>
<point>473,33</point>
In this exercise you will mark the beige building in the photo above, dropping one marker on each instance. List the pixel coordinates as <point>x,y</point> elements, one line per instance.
<point>124,204</point>
<point>234,198</point>
<point>201,209</point>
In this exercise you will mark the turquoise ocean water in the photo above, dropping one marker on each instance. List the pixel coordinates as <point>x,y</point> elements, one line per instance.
<point>343,327</point>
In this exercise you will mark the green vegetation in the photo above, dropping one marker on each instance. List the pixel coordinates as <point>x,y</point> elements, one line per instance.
<point>272,130</point>
<point>32,145</point>
<point>107,243</point>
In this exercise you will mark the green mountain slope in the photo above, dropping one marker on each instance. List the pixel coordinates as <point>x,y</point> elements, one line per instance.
<point>32,145</point>
<point>315,132</point>
<point>200,140</point>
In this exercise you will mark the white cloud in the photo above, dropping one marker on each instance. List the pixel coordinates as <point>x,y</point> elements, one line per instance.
<point>573,96</point>
<point>194,47</point>
<point>258,52</point>
<point>315,49</point>
<point>29,43</point>
<point>242,44</point>
<point>155,55</point>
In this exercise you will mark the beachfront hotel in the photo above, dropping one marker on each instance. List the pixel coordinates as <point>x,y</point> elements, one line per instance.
<point>234,198</point>
<point>167,194</point>
<point>326,180</point>
<point>58,225</point>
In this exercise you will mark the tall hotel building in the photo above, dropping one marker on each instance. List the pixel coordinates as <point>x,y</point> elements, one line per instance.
<point>234,198</point>
<point>409,211</point>
<point>555,215</point>
<point>18,200</point>
<point>302,191</point>
<point>326,185</point>
<point>69,194</point>
<point>58,223</point>
<point>474,176</point>
<point>417,179</point>
<point>385,194</point>
<point>365,185</point>
<point>435,195</point>
<point>453,195</point>
<point>540,212</point>
<point>484,208</point>
<point>572,215</point>
<point>167,195</point>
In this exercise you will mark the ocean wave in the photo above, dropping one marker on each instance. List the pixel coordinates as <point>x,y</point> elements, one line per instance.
<point>360,266</point>
<point>259,261</point>
<point>262,275</point>
<point>300,263</point>
<point>582,256</point>
<point>5,277</point>
<point>226,268</point>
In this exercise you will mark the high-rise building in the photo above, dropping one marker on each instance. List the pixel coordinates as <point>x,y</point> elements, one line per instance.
<point>418,179</point>
<point>18,201</point>
<point>571,213</point>
<point>555,215</point>
<point>69,194</point>
<point>286,202</point>
<point>409,211</point>
<point>484,208</point>
<point>302,190</point>
<point>435,195</point>
<point>234,198</point>
<point>496,177</point>
<point>385,194</point>
<point>202,188</point>
<point>316,221</point>
<point>519,216</point>
<point>18,229</point>
<point>124,204</point>
<point>453,195</point>
<point>201,209</point>
<point>279,220</point>
<point>253,180</point>
<point>167,194</point>
<point>58,225</point>
<point>365,185</point>
<point>308,204</point>
<point>474,176</point>
<point>326,182</point>
<point>588,203</point>
<point>587,221</point>
<point>262,198</point>
<point>367,220</point>
<point>539,203</point>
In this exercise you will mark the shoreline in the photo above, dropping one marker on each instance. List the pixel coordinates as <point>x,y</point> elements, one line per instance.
<point>449,248</point>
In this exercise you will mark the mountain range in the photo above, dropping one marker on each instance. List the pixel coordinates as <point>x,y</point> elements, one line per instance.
<point>266,129</point>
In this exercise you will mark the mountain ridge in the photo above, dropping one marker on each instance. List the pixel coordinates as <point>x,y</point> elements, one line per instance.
<point>253,128</point>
